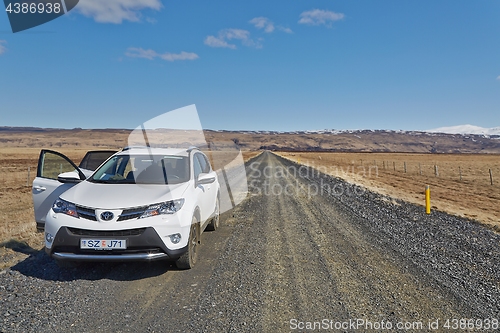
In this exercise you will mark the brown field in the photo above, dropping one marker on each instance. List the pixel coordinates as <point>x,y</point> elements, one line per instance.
<point>17,221</point>
<point>472,197</point>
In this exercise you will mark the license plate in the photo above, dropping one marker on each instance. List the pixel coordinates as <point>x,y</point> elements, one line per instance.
<point>103,244</point>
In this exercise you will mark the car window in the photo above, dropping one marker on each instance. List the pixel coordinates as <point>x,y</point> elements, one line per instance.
<point>93,159</point>
<point>205,166</point>
<point>143,169</point>
<point>111,169</point>
<point>53,164</point>
<point>197,167</point>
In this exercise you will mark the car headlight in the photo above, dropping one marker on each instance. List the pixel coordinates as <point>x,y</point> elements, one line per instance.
<point>167,207</point>
<point>64,207</point>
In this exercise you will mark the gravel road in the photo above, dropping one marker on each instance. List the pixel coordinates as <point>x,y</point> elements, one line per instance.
<point>302,248</point>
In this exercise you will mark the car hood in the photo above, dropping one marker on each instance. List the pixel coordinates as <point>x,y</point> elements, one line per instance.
<point>115,196</point>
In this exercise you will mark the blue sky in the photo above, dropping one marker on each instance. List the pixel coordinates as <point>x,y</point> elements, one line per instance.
<point>257,65</point>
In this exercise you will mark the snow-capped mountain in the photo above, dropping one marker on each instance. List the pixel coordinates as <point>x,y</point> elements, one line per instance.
<point>466,129</point>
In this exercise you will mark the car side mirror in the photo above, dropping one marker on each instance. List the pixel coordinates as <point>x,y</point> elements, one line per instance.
<point>69,177</point>
<point>204,179</point>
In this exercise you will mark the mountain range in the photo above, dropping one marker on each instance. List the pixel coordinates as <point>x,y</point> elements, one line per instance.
<point>434,141</point>
<point>466,129</point>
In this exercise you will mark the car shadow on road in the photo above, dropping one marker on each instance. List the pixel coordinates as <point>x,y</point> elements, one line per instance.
<point>39,265</point>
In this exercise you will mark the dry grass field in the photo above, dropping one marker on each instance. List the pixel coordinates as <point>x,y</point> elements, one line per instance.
<point>472,197</point>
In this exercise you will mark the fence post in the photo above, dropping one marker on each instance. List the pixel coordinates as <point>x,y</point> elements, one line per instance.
<point>460,173</point>
<point>419,169</point>
<point>28,179</point>
<point>394,164</point>
<point>436,170</point>
<point>405,167</point>
<point>491,178</point>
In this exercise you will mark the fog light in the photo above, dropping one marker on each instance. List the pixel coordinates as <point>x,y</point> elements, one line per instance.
<point>175,238</point>
<point>48,237</point>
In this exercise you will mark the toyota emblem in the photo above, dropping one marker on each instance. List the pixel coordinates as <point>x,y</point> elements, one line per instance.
<point>107,216</point>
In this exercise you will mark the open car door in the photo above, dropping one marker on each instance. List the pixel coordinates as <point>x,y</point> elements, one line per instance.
<point>46,186</point>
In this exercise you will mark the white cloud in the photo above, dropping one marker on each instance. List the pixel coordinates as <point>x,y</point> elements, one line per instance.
<point>263,23</point>
<point>268,25</point>
<point>116,11</point>
<point>287,30</point>
<point>498,77</point>
<point>213,41</point>
<point>2,47</point>
<point>232,34</point>
<point>179,56</point>
<point>139,52</point>
<point>319,17</point>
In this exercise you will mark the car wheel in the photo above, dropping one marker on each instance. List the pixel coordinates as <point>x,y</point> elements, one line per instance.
<point>214,224</point>
<point>188,259</point>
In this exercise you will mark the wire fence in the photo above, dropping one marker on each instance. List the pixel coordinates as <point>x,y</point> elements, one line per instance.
<point>467,169</point>
<point>17,176</point>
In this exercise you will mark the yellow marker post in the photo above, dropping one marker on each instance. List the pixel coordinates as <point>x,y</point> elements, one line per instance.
<point>427,199</point>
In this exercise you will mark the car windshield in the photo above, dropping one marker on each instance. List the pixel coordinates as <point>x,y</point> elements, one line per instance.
<point>143,169</point>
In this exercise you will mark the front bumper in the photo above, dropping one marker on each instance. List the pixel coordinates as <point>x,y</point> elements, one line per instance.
<point>143,244</point>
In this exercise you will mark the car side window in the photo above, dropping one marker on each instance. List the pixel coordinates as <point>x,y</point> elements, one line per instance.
<point>94,158</point>
<point>197,167</point>
<point>52,164</point>
<point>205,166</point>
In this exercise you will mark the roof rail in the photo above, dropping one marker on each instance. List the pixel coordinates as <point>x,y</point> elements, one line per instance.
<point>134,147</point>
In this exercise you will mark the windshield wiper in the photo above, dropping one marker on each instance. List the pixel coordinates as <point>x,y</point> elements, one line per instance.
<point>100,181</point>
<point>113,181</point>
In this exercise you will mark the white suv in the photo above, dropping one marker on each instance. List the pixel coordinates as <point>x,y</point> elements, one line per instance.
<point>142,203</point>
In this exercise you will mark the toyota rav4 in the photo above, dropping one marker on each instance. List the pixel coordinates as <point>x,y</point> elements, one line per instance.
<point>141,203</point>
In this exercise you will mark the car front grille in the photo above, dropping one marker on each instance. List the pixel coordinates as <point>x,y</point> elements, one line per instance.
<point>111,233</point>
<point>127,214</point>
<point>86,213</point>
<point>132,213</point>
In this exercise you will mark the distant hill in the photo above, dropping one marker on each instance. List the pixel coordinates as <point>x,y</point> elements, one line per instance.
<point>467,129</point>
<point>374,141</point>
<point>326,140</point>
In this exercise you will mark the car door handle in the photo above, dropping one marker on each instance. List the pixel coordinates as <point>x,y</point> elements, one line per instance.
<point>39,188</point>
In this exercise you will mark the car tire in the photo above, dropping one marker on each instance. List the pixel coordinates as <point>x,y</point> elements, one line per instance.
<point>214,224</point>
<point>188,259</point>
